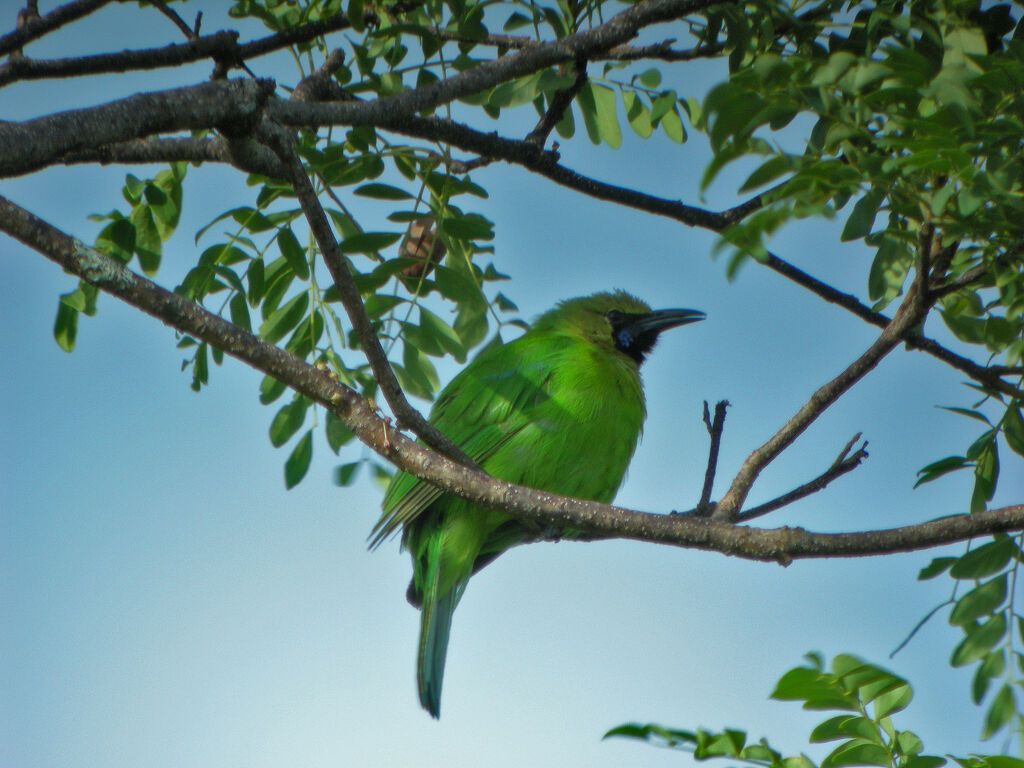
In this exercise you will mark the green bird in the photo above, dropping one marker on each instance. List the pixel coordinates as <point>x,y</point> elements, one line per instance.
<point>559,409</point>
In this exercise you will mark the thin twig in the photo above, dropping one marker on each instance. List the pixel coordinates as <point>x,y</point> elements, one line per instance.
<point>911,311</point>
<point>171,14</point>
<point>715,428</point>
<point>843,464</point>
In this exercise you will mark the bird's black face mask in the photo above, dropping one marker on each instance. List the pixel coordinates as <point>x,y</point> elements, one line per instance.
<point>635,333</point>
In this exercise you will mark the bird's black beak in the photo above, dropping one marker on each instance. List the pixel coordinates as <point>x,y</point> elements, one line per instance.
<point>635,333</point>
<point>662,319</point>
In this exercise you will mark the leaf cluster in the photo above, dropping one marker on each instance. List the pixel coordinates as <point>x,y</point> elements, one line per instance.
<point>865,696</point>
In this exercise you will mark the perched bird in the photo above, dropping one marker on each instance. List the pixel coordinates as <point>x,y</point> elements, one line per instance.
<point>559,409</point>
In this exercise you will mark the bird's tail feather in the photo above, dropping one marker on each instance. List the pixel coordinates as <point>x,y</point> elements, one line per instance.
<point>435,625</point>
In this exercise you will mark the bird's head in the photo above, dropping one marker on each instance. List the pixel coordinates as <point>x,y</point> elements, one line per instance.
<point>616,320</point>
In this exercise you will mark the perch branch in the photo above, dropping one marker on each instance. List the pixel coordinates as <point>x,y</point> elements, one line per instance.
<point>778,545</point>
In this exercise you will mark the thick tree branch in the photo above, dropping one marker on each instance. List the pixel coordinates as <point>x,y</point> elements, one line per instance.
<point>250,157</point>
<point>617,30</point>
<point>34,144</point>
<point>911,311</point>
<point>780,545</point>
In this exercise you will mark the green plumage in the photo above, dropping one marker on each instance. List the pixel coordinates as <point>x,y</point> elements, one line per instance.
<point>559,409</point>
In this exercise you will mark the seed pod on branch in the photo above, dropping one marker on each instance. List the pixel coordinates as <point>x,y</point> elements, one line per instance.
<point>422,244</point>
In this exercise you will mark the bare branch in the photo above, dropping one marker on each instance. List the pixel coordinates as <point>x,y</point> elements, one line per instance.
<point>34,28</point>
<point>844,463</point>
<point>779,545</point>
<point>171,14</point>
<point>34,144</point>
<point>910,313</point>
<point>251,158</point>
<point>704,506</point>
<point>219,46</point>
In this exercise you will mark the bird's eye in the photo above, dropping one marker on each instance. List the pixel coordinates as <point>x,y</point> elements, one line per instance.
<point>614,317</point>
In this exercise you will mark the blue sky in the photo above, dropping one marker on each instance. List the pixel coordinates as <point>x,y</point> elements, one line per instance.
<point>164,601</point>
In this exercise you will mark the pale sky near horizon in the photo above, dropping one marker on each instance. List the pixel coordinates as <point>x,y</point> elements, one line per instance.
<point>165,602</point>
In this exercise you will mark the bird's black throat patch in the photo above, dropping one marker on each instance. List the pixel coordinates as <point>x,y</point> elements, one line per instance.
<point>629,335</point>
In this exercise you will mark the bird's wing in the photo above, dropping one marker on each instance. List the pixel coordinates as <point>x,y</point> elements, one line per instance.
<point>482,408</point>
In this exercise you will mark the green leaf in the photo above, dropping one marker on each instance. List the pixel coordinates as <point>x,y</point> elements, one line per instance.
<point>768,172</point>
<point>650,78</point>
<point>65,327</point>
<point>240,311</point>
<point>288,421</point>
<point>117,239</point>
<point>980,601</point>
<point>355,13</point>
<point>369,242</point>
<point>445,335</point>
<point>148,245</point>
<point>893,700</point>
<point>845,727</point>
<point>908,743</point>
<point>672,125</point>
<point>969,413</point>
<point>337,433</point>
<point>888,269</point>
<point>201,367</point>
<point>346,473</point>
<point>939,468</point>
<point>862,218</point>
<point>986,474</point>
<point>293,253</point>
<point>936,567</point>
<point>655,734</point>
<point>637,115</point>
<point>1000,712</point>
<point>857,752</point>
<point>597,104</point>
<point>283,320</point>
<point>382,192</point>
<point>471,226</point>
<point>985,560</point>
<point>993,666</point>
<point>297,464</point>
<point>271,389</point>
<point>979,641</point>
<point>816,690</point>
<point>1013,429</point>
